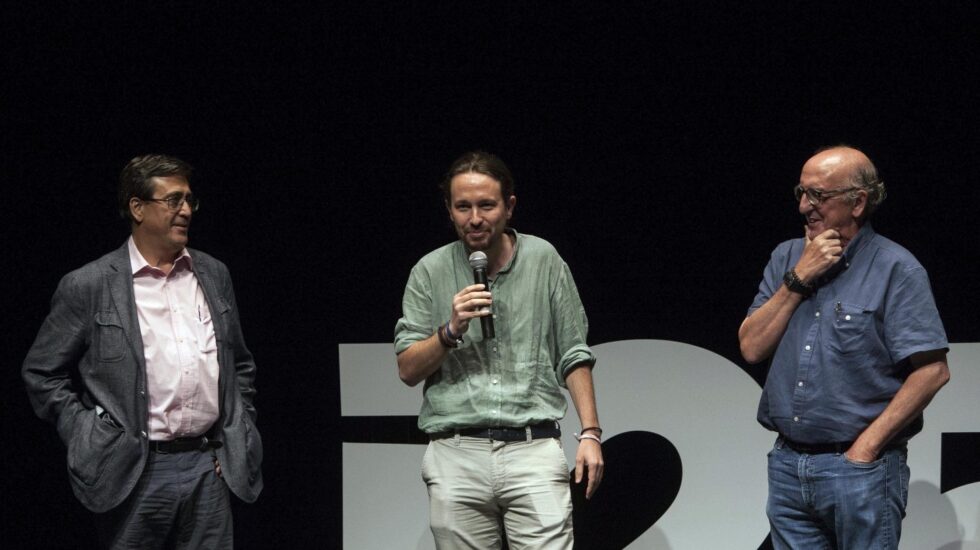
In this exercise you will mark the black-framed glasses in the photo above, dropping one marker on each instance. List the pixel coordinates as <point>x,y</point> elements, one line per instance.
<point>816,196</point>
<point>175,202</point>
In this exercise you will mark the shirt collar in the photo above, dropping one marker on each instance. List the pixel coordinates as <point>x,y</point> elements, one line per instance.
<point>510,263</point>
<point>513,257</point>
<point>864,236</point>
<point>140,266</point>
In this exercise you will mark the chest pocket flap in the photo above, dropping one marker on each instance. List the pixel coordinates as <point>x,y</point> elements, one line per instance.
<point>109,337</point>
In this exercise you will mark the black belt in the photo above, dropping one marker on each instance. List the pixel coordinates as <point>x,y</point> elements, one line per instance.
<point>825,448</point>
<point>184,445</point>
<point>546,429</point>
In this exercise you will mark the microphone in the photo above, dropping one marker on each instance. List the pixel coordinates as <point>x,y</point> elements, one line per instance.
<point>478,261</point>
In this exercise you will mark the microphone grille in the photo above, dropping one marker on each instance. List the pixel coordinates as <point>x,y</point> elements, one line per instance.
<point>478,260</point>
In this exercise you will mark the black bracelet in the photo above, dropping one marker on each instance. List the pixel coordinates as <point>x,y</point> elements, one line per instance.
<point>795,284</point>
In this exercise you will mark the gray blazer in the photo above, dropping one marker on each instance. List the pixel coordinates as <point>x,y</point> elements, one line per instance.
<point>89,353</point>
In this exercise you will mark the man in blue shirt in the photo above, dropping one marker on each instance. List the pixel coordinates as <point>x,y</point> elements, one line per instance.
<point>858,350</point>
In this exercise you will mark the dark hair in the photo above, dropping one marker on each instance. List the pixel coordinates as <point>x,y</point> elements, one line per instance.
<point>479,162</point>
<point>136,178</point>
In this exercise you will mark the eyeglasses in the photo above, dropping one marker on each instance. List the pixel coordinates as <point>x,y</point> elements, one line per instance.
<point>816,196</point>
<point>175,202</point>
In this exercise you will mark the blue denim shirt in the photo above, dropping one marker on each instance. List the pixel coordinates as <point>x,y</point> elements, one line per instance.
<point>845,352</point>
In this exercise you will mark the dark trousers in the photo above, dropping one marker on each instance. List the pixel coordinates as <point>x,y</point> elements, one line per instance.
<point>178,503</point>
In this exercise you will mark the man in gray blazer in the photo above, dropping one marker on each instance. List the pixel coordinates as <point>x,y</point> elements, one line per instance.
<point>142,367</point>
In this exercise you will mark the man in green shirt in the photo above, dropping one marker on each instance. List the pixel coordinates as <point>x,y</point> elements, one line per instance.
<point>491,405</point>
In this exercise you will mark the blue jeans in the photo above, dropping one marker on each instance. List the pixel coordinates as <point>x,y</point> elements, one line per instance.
<point>825,501</point>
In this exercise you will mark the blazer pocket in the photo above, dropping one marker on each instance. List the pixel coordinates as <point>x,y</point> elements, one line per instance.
<point>92,447</point>
<point>110,339</point>
<point>253,447</point>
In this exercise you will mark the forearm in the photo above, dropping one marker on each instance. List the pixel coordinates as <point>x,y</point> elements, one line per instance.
<point>245,376</point>
<point>59,346</point>
<point>588,458</point>
<point>47,378</point>
<point>421,360</point>
<point>581,388</point>
<point>761,332</point>
<point>47,373</point>
<point>244,361</point>
<point>912,398</point>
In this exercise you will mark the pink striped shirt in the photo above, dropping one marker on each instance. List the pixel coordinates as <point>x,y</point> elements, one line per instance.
<point>179,346</point>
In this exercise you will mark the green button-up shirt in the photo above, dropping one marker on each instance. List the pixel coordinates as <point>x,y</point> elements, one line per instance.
<point>515,378</point>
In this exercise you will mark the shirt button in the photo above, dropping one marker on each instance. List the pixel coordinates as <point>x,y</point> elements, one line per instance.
<point>494,349</point>
<point>847,317</point>
<point>818,314</point>
<point>493,412</point>
<point>807,347</point>
<point>796,419</point>
<point>494,381</point>
<point>800,383</point>
<point>143,434</point>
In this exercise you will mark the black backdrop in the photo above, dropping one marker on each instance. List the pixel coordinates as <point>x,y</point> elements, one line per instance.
<point>655,144</point>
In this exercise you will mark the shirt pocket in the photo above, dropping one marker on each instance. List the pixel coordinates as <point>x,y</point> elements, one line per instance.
<point>110,339</point>
<point>204,330</point>
<point>853,333</point>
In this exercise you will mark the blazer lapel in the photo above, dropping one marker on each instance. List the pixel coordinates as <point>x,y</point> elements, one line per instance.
<point>119,277</point>
<point>216,305</point>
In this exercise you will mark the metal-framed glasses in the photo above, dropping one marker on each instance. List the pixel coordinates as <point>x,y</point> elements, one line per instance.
<point>816,196</point>
<point>175,202</point>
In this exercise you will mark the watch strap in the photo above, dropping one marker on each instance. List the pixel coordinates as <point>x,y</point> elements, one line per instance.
<point>795,284</point>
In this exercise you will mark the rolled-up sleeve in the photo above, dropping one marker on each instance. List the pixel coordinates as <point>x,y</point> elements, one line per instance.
<point>415,323</point>
<point>571,327</point>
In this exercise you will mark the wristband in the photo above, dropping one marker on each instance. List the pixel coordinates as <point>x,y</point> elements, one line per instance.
<point>795,284</point>
<point>443,339</point>
<point>450,341</point>
<point>580,437</point>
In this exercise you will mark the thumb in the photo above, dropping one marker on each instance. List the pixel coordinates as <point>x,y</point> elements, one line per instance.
<point>806,236</point>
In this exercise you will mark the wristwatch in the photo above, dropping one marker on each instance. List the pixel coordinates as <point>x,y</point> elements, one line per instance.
<point>795,284</point>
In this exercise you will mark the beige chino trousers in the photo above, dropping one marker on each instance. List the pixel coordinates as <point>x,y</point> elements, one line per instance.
<point>481,490</point>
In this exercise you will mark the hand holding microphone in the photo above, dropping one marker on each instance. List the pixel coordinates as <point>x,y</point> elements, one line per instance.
<point>478,261</point>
